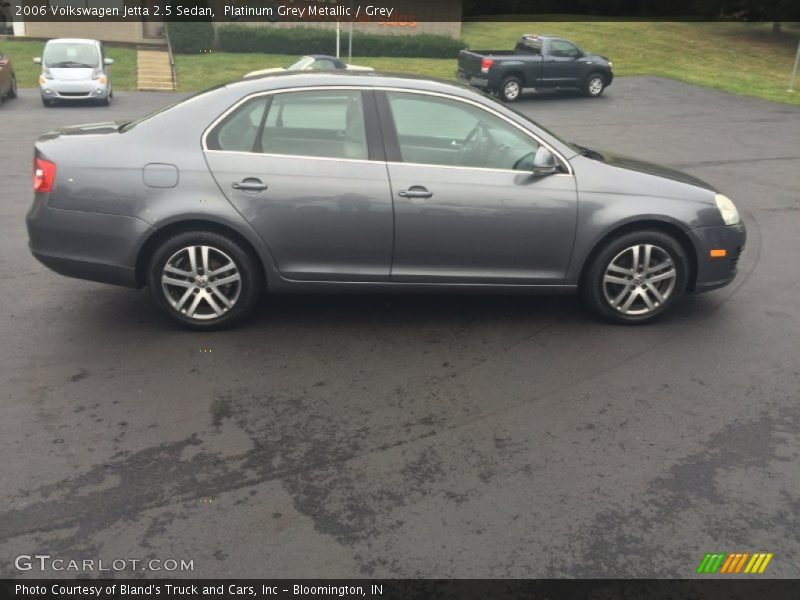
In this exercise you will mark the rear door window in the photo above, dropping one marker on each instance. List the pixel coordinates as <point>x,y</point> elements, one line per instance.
<point>324,124</point>
<point>239,131</point>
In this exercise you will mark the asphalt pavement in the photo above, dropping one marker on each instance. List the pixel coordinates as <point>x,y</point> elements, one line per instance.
<point>418,436</point>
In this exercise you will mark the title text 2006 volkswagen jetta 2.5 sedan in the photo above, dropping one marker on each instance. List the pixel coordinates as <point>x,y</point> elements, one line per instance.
<point>322,182</point>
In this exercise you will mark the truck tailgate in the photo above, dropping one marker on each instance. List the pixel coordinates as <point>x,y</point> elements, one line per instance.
<point>469,64</point>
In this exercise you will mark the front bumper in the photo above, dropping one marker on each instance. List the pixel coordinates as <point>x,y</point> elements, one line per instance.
<point>716,272</point>
<point>86,245</point>
<point>74,91</point>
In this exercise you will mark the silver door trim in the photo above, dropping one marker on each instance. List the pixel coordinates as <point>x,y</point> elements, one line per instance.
<point>382,89</point>
<point>302,156</point>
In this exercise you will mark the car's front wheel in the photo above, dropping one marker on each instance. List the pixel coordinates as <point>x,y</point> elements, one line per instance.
<point>204,280</point>
<point>594,85</point>
<point>12,90</point>
<point>636,277</point>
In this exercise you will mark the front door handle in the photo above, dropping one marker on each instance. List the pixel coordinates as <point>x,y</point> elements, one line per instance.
<point>416,192</point>
<point>251,184</point>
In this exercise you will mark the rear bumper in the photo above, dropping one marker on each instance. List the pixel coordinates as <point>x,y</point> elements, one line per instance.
<point>478,82</point>
<point>716,272</point>
<point>86,245</point>
<point>90,271</point>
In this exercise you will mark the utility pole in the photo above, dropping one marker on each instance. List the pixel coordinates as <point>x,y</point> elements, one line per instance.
<point>350,41</point>
<point>338,36</point>
<point>794,70</point>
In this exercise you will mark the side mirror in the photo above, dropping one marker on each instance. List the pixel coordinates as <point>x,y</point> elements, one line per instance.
<point>108,61</point>
<point>37,60</point>
<point>544,163</point>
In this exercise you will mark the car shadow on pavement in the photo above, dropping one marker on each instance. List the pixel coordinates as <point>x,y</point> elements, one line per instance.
<point>128,310</point>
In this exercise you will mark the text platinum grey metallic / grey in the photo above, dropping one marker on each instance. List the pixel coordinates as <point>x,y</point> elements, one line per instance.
<point>328,182</point>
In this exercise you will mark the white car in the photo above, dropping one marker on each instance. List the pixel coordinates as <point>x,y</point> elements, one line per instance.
<point>313,62</point>
<point>74,70</point>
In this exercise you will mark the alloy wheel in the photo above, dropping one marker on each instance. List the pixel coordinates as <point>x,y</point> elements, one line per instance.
<point>511,90</point>
<point>201,282</point>
<point>639,280</point>
<point>595,86</point>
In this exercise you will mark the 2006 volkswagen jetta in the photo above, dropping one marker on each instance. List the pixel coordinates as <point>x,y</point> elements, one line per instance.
<point>334,182</point>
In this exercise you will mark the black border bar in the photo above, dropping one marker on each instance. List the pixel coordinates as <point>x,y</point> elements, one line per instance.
<point>364,11</point>
<point>404,589</point>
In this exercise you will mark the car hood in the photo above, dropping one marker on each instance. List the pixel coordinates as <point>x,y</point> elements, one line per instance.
<point>640,166</point>
<point>73,74</point>
<point>593,56</point>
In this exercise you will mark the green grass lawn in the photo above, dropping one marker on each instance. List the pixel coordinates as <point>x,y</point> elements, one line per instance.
<point>735,57</point>
<point>123,71</point>
<point>739,58</point>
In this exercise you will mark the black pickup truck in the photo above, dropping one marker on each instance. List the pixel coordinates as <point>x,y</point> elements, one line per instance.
<point>537,61</point>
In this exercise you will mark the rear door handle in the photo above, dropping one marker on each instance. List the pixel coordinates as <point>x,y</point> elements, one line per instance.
<point>416,192</point>
<point>251,184</point>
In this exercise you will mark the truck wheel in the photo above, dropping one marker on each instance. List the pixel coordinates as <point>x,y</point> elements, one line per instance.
<point>594,85</point>
<point>510,90</point>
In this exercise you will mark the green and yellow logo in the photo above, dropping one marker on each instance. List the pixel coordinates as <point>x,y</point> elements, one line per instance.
<point>734,563</point>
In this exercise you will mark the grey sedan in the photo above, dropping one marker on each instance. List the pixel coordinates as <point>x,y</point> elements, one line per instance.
<point>325,182</point>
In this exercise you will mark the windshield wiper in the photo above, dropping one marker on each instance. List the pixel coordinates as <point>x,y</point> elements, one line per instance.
<point>68,64</point>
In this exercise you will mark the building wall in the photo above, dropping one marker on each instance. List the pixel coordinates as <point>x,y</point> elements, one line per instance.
<point>132,33</point>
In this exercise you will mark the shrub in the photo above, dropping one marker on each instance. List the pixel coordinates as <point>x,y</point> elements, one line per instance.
<point>309,40</point>
<point>190,37</point>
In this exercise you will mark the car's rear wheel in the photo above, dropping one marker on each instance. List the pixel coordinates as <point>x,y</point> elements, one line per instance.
<point>594,85</point>
<point>204,280</point>
<point>636,277</point>
<point>510,89</point>
<point>12,90</point>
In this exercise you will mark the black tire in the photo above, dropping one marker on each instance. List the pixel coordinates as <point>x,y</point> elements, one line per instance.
<point>594,86</point>
<point>510,90</point>
<point>12,91</point>
<point>601,294</point>
<point>246,294</point>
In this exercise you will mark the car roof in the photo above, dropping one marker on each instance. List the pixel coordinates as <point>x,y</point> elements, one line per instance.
<point>73,41</point>
<point>541,36</point>
<point>289,79</point>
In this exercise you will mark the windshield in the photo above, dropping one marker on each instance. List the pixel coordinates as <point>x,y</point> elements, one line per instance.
<point>66,56</point>
<point>301,64</point>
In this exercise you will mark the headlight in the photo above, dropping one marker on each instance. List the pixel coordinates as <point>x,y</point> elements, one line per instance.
<point>610,64</point>
<point>727,209</point>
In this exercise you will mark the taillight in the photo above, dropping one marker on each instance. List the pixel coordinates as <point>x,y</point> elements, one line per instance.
<point>486,64</point>
<point>44,175</point>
